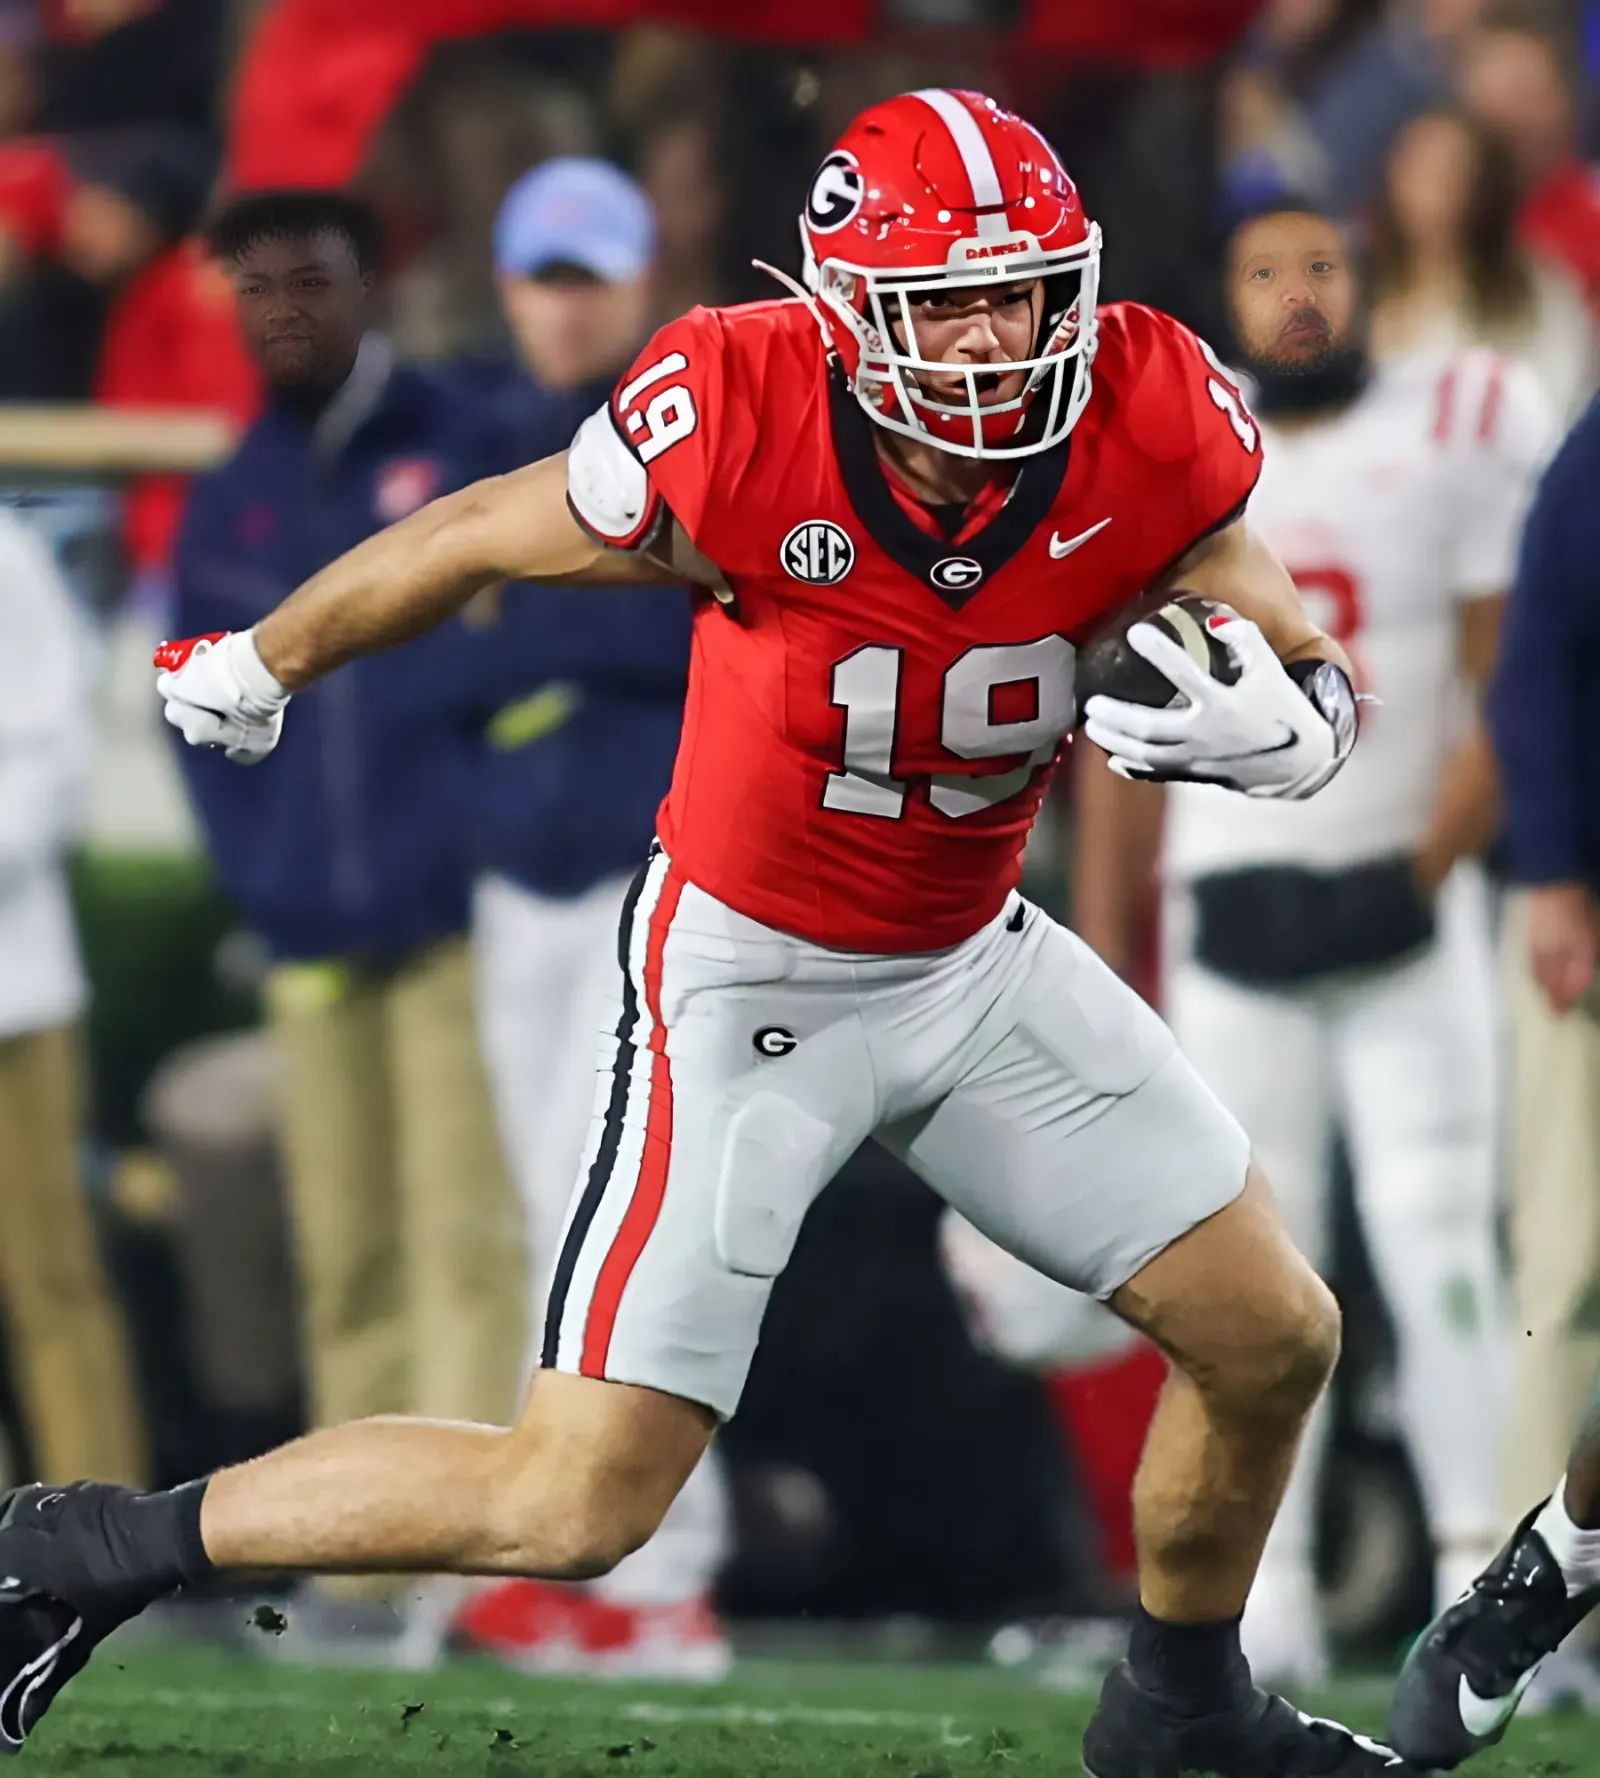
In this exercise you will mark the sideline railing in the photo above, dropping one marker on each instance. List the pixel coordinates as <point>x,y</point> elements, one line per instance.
<point>80,441</point>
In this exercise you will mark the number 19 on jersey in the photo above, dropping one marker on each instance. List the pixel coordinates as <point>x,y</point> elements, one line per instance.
<point>996,702</point>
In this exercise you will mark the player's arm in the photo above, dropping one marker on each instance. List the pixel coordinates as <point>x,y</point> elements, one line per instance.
<point>1466,808</point>
<point>1236,568</point>
<point>230,691</point>
<point>412,576</point>
<point>1287,723</point>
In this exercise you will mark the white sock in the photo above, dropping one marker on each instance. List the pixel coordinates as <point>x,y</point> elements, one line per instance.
<point>1576,1551</point>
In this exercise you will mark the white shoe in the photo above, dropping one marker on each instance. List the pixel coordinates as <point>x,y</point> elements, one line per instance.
<point>1282,1631</point>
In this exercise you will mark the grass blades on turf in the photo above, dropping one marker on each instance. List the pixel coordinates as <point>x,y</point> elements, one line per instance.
<point>187,1713</point>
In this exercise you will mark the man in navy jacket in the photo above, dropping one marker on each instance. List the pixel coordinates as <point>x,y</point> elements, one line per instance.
<point>350,851</point>
<point>583,703</point>
<point>1543,714</point>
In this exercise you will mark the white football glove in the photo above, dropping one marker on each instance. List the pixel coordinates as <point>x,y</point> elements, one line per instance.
<point>1267,734</point>
<point>219,694</point>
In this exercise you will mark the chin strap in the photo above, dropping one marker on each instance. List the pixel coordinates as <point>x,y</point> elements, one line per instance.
<point>795,288</point>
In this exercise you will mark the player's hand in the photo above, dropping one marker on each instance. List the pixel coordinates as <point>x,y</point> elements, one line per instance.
<point>1261,735</point>
<point>1563,941</point>
<point>218,693</point>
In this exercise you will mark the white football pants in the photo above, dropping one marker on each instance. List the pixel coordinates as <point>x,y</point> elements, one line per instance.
<point>1404,1063</point>
<point>545,969</point>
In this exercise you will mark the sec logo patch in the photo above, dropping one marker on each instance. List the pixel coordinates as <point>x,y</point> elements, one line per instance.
<point>817,552</point>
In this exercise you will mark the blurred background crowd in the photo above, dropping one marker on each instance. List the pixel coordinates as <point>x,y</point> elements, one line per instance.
<point>295,1064</point>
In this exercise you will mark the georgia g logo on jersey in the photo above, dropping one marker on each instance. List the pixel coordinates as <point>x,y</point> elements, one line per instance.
<point>835,193</point>
<point>954,574</point>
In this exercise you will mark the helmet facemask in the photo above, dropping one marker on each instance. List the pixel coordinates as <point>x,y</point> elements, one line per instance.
<point>887,378</point>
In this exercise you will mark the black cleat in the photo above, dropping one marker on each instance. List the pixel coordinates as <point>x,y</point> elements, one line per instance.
<point>1466,1673</point>
<point>59,1597</point>
<point>1132,1736</point>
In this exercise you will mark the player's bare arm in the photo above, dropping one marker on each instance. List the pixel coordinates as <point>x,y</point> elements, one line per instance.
<point>231,691</point>
<point>1236,568</point>
<point>412,576</point>
<point>1284,724</point>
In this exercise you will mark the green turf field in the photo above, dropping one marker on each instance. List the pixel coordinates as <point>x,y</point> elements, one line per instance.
<point>184,1713</point>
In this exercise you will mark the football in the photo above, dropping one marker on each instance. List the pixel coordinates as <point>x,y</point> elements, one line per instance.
<point>1109,666</point>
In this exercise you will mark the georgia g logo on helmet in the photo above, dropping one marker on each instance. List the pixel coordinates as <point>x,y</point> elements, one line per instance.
<point>945,190</point>
<point>835,193</point>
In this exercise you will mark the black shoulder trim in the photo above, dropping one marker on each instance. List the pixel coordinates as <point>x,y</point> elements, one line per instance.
<point>1234,512</point>
<point>1032,495</point>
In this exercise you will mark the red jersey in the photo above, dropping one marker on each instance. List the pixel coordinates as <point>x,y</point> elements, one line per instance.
<point>873,721</point>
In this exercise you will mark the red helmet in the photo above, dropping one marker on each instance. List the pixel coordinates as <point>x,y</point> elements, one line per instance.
<point>934,190</point>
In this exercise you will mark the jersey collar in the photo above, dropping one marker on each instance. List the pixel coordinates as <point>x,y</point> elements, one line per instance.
<point>954,572</point>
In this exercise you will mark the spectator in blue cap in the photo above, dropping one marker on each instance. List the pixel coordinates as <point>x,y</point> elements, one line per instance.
<point>583,700</point>
<point>572,251</point>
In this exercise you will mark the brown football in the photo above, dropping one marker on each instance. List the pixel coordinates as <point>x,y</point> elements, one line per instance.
<point>1109,666</point>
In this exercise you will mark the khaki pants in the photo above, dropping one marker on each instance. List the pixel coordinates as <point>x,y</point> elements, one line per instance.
<point>407,1231</point>
<point>64,1334</point>
<point>1555,1224</point>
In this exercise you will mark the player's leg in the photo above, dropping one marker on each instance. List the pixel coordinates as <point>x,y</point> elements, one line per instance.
<point>1416,1067</point>
<point>701,1172</point>
<point>657,1620</point>
<point>1266,1057</point>
<point>1078,1138</point>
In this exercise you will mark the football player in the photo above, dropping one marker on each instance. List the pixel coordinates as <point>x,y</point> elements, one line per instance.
<point>1469,1670</point>
<point>910,489</point>
<point>1329,964</point>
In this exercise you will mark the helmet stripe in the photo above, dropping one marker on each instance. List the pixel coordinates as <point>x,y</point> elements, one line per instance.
<point>974,152</point>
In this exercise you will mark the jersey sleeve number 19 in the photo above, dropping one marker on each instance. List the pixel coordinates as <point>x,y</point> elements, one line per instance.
<point>866,685</point>
<point>667,417</point>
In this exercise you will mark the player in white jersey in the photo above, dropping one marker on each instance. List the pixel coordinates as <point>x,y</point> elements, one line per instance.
<point>1328,965</point>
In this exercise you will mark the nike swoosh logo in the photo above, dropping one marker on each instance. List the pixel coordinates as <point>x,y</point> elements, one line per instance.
<point>1486,1716</point>
<point>18,1695</point>
<point>1060,548</point>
